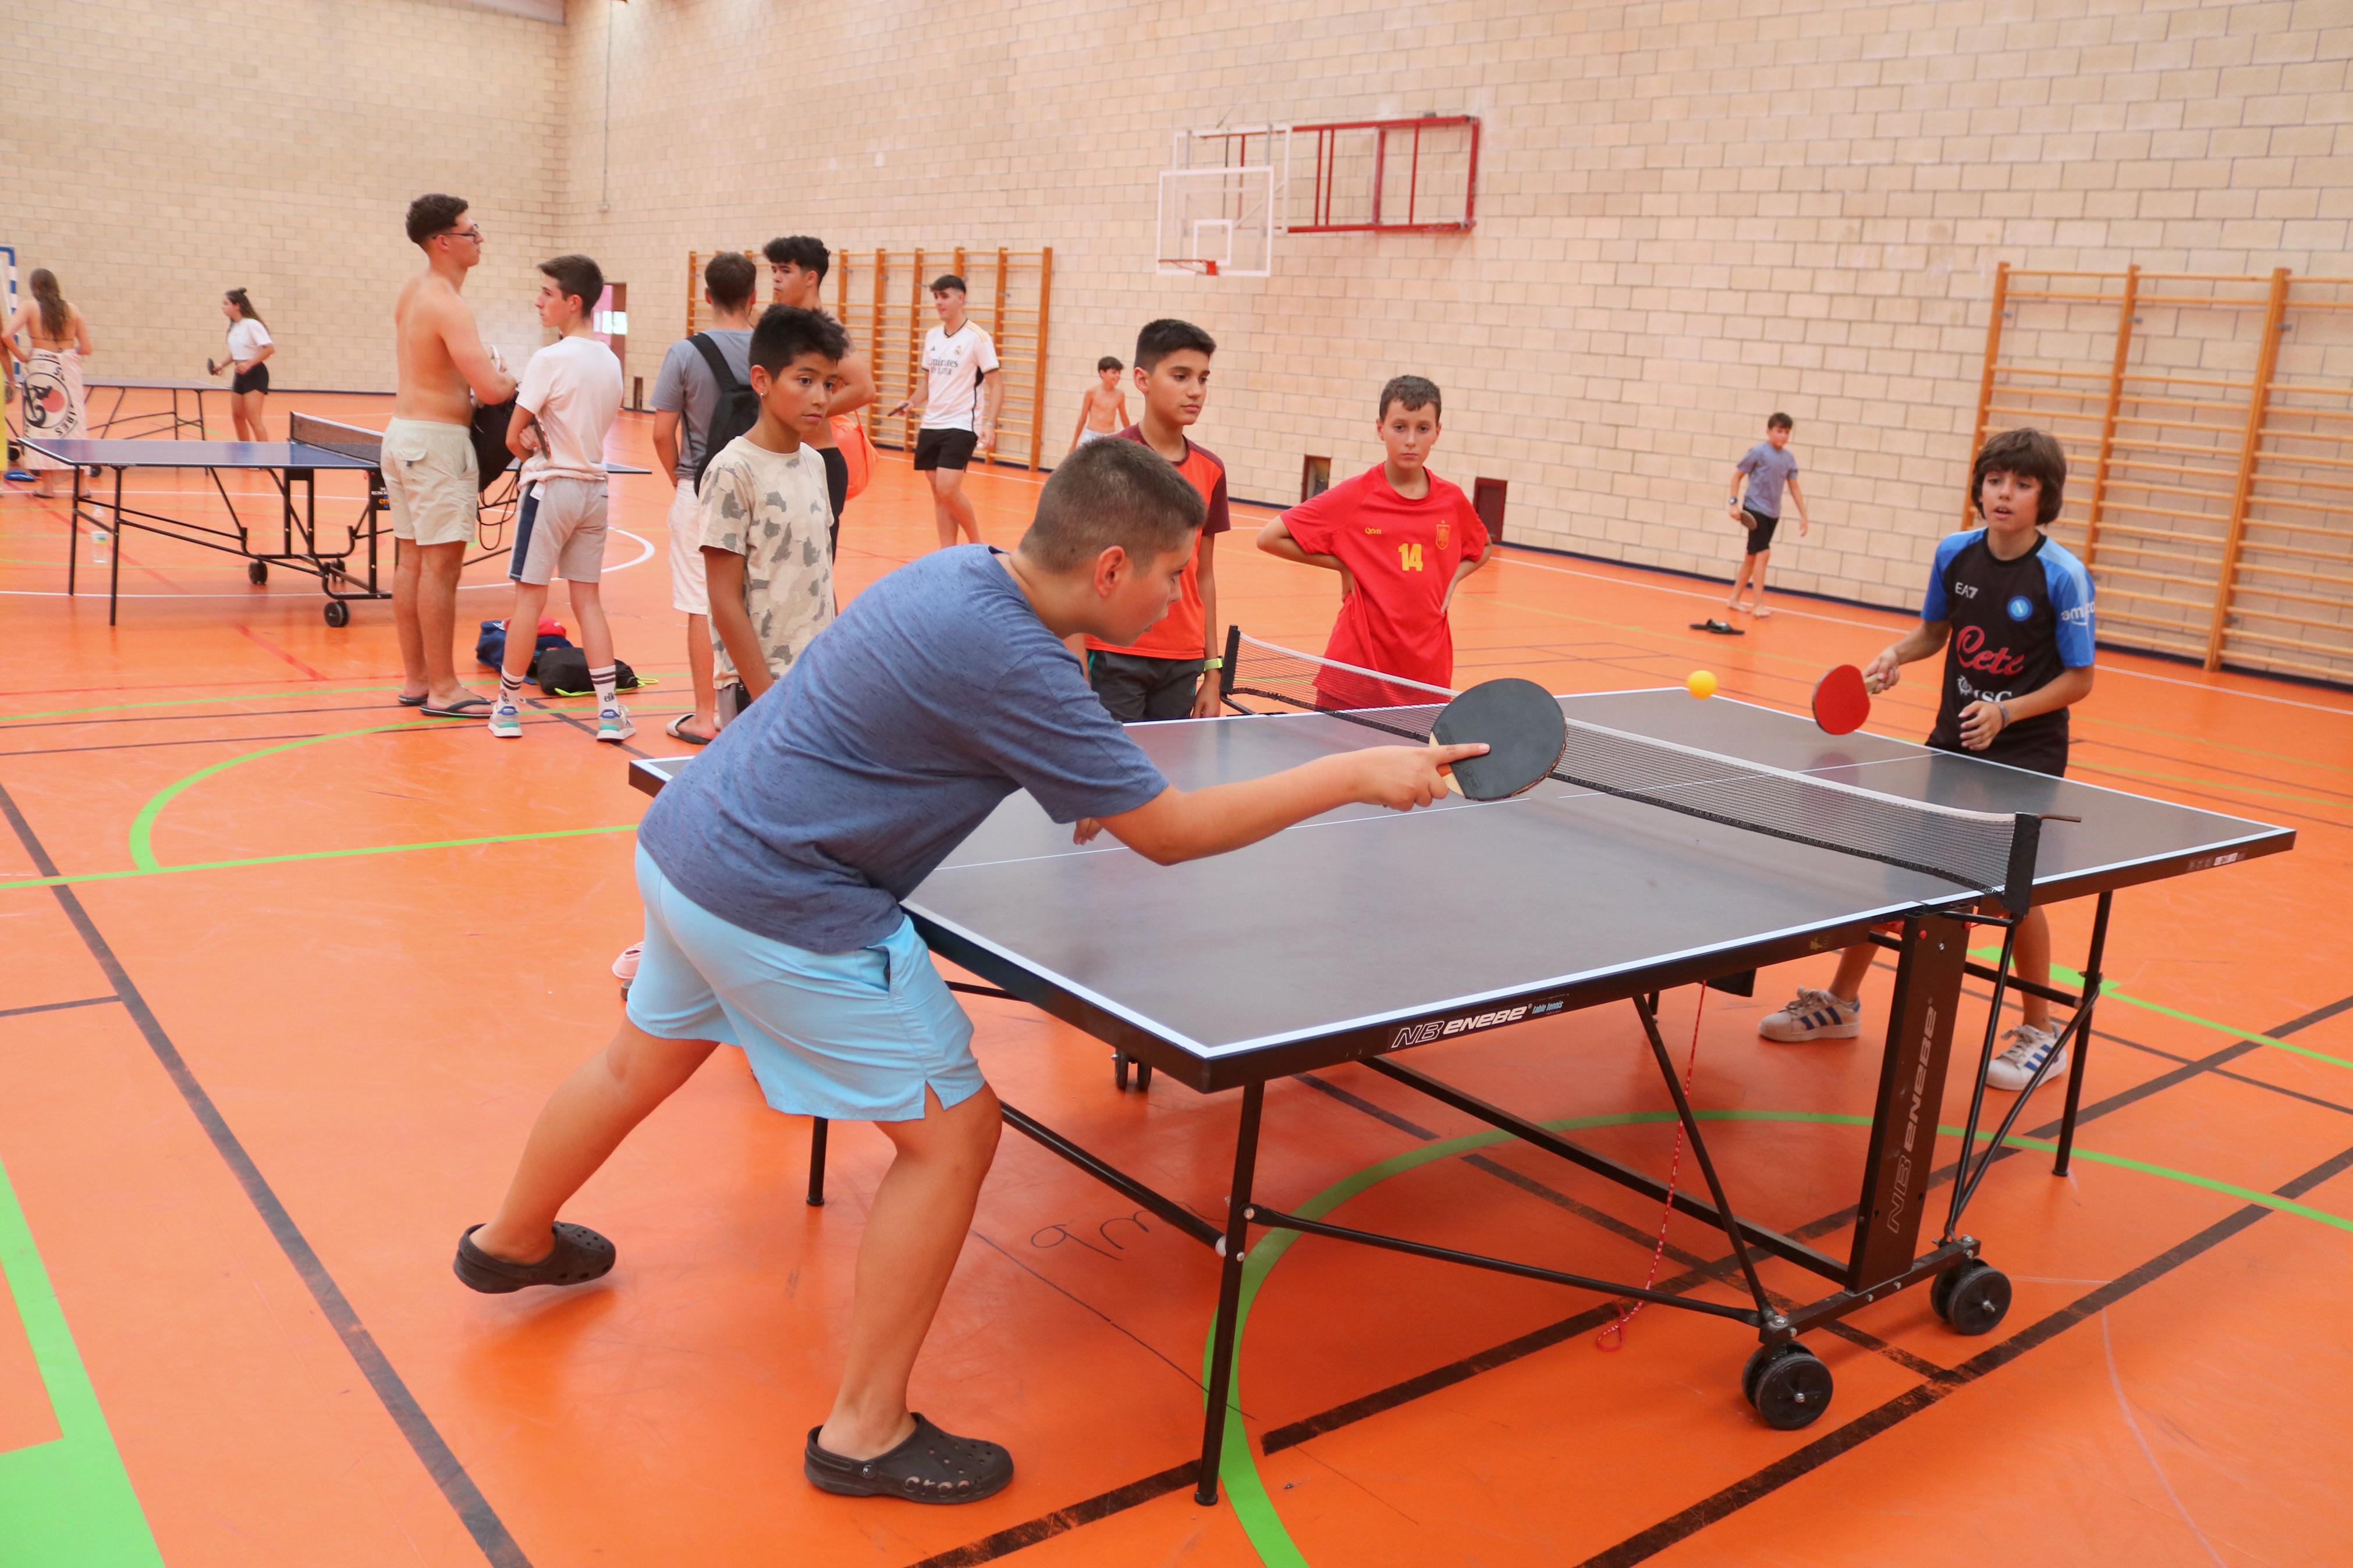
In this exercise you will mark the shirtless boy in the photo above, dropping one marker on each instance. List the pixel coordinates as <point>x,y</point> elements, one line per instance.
<point>429,454</point>
<point>1102,408</point>
<point>797,268</point>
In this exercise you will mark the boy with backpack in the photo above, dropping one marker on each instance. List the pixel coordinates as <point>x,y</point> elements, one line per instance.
<point>705,380</point>
<point>566,401</point>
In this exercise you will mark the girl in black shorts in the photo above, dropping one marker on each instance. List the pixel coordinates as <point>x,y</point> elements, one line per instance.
<point>250,345</point>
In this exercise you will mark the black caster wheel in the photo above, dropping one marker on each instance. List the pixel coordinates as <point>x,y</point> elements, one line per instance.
<point>1119,1070</point>
<point>257,573</point>
<point>1143,1077</point>
<point>1789,1386</point>
<point>1973,1298</point>
<point>338,613</point>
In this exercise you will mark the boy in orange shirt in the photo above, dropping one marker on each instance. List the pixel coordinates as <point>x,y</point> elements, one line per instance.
<point>1402,540</point>
<point>1159,675</point>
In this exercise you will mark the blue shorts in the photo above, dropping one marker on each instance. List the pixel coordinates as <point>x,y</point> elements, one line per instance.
<point>853,1036</point>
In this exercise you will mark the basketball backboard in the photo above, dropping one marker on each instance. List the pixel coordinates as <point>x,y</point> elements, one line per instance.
<point>1222,201</point>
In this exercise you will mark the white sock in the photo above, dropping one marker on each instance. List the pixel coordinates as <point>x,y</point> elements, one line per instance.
<point>603,678</point>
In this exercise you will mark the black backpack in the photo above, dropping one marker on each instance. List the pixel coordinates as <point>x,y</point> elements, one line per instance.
<point>564,672</point>
<point>738,409</point>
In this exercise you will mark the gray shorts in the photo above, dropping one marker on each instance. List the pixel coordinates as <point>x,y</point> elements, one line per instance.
<point>559,532</point>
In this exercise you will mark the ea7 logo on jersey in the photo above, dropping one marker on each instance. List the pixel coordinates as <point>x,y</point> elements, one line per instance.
<point>1965,590</point>
<point>1438,1028</point>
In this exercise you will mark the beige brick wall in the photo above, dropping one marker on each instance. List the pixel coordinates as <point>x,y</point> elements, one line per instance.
<point>159,151</point>
<point>1690,213</point>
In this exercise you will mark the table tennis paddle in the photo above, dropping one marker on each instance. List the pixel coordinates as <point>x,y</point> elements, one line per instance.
<point>1521,726</point>
<point>1842,701</point>
<point>211,369</point>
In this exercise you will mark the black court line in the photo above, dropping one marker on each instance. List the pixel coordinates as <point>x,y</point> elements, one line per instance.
<point>57,1006</point>
<point>1591,1319</point>
<point>1772,1478</point>
<point>458,1487</point>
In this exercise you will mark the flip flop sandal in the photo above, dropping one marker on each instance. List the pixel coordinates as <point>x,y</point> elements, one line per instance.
<point>412,702</point>
<point>1721,628</point>
<point>464,708</point>
<point>931,1466</point>
<point>675,731</point>
<point>581,1255</point>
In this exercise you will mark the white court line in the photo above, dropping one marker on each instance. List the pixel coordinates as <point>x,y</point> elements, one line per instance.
<point>645,553</point>
<point>1875,626</point>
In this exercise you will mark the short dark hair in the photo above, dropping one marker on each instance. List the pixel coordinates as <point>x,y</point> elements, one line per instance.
<point>799,250</point>
<point>1167,336</point>
<point>432,215</point>
<point>579,277</point>
<point>1780,422</point>
<point>786,332</point>
<point>2029,453</point>
<point>947,280</point>
<point>1109,362</point>
<point>1412,392</point>
<point>1107,493</point>
<point>730,278</point>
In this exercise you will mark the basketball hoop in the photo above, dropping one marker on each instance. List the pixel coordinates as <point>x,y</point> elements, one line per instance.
<point>1203,265</point>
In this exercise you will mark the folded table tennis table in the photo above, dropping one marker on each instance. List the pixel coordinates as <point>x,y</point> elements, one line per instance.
<point>1626,874</point>
<point>344,561</point>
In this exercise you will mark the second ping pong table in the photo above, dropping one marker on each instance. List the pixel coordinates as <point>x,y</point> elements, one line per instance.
<point>171,419</point>
<point>1362,933</point>
<point>344,560</point>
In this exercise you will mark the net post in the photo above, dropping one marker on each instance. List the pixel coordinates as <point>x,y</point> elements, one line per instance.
<point>1234,657</point>
<point>2018,882</point>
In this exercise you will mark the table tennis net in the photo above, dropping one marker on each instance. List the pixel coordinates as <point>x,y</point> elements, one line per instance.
<point>1991,852</point>
<point>351,440</point>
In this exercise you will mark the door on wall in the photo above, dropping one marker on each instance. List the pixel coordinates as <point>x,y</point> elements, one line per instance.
<point>1487,501</point>
<point>610,325</point>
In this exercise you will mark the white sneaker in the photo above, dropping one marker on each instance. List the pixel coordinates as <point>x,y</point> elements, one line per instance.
<point>624,968</point>
<point>612,724</point>
<point>506,721</point>
<point>1813,1014</point>
<point>2015,1068</point>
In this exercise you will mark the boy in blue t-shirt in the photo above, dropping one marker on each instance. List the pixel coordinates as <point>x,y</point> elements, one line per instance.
<point>2012,611</point>
<point>1758,480</point>
<point>772,872</point>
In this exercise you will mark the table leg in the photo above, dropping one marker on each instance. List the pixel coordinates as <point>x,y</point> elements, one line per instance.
<point>2090,993</point>
<point>1232,1248</point>
<point>1911,1091</point>
<point>818,1126</point>
<point>114,555</point>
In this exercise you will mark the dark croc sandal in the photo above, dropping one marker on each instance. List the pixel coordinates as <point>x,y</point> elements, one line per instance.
<point>931,1466</point>
<point>581,1255</point>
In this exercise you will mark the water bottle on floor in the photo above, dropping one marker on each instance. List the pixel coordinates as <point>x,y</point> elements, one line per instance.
<point>101,540</point>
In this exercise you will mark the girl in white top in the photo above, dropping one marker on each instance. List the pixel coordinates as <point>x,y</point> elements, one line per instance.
<point>249,344</point>
<point>53,400</point>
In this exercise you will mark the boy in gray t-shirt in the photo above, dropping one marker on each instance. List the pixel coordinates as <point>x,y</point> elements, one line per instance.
<point>686,395</point>
<point>1764,470</point>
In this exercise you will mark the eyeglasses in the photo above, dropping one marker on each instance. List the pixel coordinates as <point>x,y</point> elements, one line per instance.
<point>473,233</point>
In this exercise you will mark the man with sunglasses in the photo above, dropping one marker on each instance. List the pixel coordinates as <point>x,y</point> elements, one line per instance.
<point>430,476</point>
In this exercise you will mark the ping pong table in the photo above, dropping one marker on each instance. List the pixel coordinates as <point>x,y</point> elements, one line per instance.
<point>347,571</point>
<point>169,419</point>
<point>1616,879</point>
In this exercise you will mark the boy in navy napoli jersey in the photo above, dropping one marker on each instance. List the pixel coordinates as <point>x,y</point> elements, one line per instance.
<point>2011,610</point>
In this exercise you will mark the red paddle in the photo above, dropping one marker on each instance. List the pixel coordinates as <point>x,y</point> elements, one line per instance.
<point>1842,701</point>
<point>1522,726</point>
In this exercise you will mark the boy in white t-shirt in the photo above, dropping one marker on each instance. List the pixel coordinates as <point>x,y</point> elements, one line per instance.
<point>961,394</point>
<point>767,514</point>
<point>564,403</point>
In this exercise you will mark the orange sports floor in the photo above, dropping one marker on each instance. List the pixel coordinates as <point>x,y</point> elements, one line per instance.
<point>287,971</point>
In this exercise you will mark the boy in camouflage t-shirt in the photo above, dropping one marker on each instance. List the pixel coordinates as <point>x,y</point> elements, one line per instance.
<point>766,513</point>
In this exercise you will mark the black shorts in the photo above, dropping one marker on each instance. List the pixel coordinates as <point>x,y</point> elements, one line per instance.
<point>837,491</point>
<point>943,450</point>
<point>1760,529</point>
<point>1135,688</point>
<point>254,380</point>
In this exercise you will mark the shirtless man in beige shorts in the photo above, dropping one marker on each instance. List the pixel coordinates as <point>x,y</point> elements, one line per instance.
<point>429,454</point>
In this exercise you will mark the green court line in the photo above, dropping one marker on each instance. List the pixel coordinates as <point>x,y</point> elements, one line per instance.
<point>77,878</point>
<point>68,1500</point>
<point>143,827</point>
<point>2067,976</point>
<point>1238,1472</point>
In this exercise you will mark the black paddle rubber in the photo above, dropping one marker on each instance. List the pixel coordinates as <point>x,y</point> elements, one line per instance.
<point>1523,728</point>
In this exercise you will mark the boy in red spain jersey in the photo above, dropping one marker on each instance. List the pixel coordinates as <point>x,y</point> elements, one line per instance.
<point>1402,540</point>
<point>1159,676</point>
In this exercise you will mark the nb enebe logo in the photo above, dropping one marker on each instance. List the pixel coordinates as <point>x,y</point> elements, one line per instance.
<point>1438,1028</point>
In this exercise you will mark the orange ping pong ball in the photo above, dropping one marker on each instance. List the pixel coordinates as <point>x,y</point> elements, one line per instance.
<point>1699,683</point>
